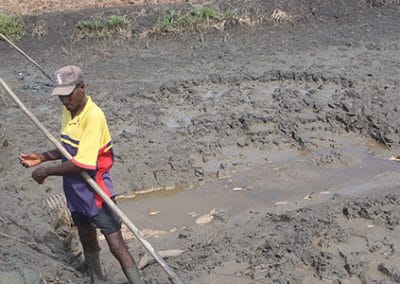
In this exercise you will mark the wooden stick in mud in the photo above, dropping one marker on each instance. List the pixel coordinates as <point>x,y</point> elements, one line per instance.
<point>173,276</point>
<point>27,57</point>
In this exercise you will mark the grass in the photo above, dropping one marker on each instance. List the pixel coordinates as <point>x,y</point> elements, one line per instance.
<point>90,25</point>
<point>115,21</point>
<point>11,26</point>
<point>112,26</point>
<point>200,19</point>
<point>195,19</point>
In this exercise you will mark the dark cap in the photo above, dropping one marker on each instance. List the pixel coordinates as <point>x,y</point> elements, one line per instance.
<point>66,79</point>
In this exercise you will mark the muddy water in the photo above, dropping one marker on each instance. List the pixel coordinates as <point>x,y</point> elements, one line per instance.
<point>279,179</point>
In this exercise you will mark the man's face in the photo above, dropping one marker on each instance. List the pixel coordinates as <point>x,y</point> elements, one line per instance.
<point>73,101</point>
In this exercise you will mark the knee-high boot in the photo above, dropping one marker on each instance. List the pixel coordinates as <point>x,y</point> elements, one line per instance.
<point>133,275</point>
<point>96,273</point>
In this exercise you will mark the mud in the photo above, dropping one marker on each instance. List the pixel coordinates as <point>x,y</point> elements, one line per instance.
<point>248,121</point>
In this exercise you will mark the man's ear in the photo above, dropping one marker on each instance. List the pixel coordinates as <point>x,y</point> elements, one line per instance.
<point>82,88</point>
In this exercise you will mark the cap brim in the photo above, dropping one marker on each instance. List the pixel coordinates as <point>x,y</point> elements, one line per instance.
<point>63,90</point>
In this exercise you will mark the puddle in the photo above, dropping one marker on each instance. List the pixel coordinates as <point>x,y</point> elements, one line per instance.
<point>234,156</point>
<point>286,178</point>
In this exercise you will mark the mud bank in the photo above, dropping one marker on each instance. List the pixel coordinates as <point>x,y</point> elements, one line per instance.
<point>195,109</point>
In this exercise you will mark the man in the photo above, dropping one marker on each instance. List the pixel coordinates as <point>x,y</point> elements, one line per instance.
<point>85,135</point>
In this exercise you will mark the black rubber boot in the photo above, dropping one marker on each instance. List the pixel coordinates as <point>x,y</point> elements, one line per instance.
<point>96,273</point>
<point>133,275</point>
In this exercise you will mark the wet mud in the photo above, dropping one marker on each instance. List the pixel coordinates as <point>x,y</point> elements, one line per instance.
<point>279,135</point>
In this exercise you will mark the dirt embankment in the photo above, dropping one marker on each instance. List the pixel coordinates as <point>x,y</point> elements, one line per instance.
<point>187,109</point>
<point>47,6</point>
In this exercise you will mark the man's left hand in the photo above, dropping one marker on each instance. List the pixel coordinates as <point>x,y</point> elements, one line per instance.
<point>39,175</point>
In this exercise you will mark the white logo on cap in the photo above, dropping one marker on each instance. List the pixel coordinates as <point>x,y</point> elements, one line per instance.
<point>59,79</point>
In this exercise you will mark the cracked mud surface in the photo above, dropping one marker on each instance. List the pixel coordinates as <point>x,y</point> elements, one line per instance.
<point>248,121</point>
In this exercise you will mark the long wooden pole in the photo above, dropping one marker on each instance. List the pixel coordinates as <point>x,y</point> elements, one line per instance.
<point>173,276</point>
<point>27,57</point>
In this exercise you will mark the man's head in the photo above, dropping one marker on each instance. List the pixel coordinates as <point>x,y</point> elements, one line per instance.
<point>66,80</point>
<point>69,87</point>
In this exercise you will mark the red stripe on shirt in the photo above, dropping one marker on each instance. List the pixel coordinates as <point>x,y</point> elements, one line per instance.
<point>83,166</point>
<point>104,164</point>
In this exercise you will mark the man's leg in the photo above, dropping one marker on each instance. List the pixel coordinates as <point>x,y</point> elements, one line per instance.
<point>91,249</point>
<point>119,249</point>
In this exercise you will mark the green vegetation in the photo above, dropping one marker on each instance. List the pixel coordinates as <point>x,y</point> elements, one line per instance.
<point>115,21</point>
<point>92,25</point>
<point>112,26</point>
<point>11,26</point>
<point>194,20</point>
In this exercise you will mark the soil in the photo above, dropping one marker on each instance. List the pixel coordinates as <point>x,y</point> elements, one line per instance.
<point>262,151</point>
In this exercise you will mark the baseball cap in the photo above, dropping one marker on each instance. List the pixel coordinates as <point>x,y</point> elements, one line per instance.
<point>66,79</point>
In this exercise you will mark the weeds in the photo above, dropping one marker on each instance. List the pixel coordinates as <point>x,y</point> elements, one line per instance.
<point>196,19</point>
<point>115,21</point>
<point>90,26</point>
<point>11,26</point>
<point>112,26</point>
<point>203,19</point>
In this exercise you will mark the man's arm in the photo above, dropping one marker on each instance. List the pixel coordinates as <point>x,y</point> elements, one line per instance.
<point>66,168</point>
<point>52,155</point>
<point>29,160</point>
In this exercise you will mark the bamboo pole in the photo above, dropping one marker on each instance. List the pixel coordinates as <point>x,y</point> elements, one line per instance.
<point>27,57</point>
<point>173,276</point>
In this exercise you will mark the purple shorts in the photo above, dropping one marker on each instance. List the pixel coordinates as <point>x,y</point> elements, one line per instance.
<point>105,220</point>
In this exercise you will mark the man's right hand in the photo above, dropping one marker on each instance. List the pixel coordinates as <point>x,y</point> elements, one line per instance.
<point>30,159</point>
